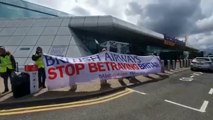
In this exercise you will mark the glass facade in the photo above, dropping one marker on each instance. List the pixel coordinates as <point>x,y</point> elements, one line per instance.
<point>23,9</point>
<point>93,42</point>
<point>7,11</point>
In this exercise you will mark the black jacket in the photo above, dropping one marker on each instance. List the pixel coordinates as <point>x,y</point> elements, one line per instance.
<point>36,56</point>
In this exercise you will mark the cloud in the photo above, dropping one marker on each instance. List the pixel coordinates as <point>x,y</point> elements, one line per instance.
<point>205,24</point>
<point>201,40</point>
<point>134,9</point>
<point>169,16</point>
<point>206,6</point>
<point>80,11</point>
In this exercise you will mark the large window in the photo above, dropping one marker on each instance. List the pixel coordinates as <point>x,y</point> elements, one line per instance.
<point>93,40</point>
<point>7,11</point>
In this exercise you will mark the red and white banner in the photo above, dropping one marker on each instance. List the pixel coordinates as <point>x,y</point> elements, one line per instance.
<point>64,71</point>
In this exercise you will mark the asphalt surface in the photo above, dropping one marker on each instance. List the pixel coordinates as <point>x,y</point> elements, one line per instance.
<point>182,96</point>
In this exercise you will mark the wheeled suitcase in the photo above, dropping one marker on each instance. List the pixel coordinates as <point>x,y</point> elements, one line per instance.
<point>20,85</point>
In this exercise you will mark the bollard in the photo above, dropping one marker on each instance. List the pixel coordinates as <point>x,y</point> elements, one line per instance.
<point>173,64</point>
<point>168,65</point>
<point>181,63</point>
<point>187,62</point>
<point>177,64</point>
<point>162,66</point>
<point>184,63</point>
<point>190,61</point>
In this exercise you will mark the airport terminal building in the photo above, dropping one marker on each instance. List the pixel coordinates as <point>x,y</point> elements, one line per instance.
<point>24,26</point>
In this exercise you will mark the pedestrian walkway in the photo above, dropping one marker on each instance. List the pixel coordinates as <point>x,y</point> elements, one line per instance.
<point>82,88</point>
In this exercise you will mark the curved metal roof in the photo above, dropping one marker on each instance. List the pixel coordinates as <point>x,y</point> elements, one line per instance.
<point>112,26</point>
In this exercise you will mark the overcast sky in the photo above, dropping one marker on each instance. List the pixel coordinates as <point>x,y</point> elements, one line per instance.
<point>173,17</point>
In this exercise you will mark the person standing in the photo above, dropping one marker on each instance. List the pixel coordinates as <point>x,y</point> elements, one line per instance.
<point>7,67</point>
<point>37,57</point>
<point>104,81</point>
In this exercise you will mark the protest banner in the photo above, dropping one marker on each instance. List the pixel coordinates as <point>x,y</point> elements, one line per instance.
<point>63,71</point>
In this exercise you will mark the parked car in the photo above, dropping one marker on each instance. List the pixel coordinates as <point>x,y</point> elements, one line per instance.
<point>202,63</point>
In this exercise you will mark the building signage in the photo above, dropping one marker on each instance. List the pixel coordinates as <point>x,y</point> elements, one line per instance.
<point>172,41</point>
<point>168,42</point>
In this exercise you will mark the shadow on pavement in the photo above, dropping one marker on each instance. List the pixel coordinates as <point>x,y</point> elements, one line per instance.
<point>105,86</point>
<point>163,76</point>
<point>2,95</point>
<point>204,71</point>
<point>134,80</point>
<point>122,83</point>
<point>153,78</point>
<point>73,88</point>
<point>51,99</point>
<point>208,71</point>
<point>73,94</point>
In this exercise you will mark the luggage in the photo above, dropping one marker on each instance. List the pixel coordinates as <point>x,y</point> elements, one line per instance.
<point>20,85</point>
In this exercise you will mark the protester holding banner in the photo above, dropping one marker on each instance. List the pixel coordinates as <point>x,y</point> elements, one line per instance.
<point>104,82</point>
<point>7,66</point>
<point>37,57</point>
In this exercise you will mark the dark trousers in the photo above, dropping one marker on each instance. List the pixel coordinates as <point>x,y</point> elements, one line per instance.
<point>41,77</point>
<point>5,77</point>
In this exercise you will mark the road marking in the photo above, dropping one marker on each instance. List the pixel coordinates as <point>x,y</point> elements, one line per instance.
<point>198,73</point>
<point>64,105</point>
<point>211,91</point>
<point>189,79</point>
<point>142,93</point>
<point>202,108</point>
<point>195,109</point>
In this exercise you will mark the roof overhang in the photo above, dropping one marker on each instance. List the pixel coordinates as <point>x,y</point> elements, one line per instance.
<point>112,26</point>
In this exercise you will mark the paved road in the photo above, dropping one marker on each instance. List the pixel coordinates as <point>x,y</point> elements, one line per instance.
<point>183,96</point>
